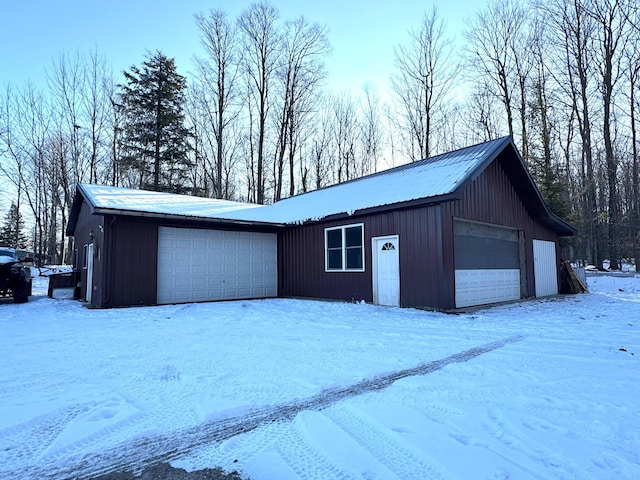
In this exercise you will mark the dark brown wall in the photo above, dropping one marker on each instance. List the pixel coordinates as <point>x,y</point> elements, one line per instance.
<point>427,276</point>
<point>491,198</point>
<point>133,251</point>
<point>301,258</point>
<point>86,226</point>
<point>126,267</point>
<point>132,276</point>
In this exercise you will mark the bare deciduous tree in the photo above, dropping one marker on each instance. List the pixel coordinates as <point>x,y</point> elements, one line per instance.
<point>611,19</point>
<point>633,63</point>
<point>261,56</point>
<point>319,150</point>
<point>219,90</point>
<point>371,140</point>
<point>345,134</point>
<point>494,38</point>
<point>573,33</point>
<point>305,45</point>
<point>423,78</point>
<point>95,112</point>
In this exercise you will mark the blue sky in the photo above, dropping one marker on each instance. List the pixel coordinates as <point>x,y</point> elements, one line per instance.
<point>362,32</point>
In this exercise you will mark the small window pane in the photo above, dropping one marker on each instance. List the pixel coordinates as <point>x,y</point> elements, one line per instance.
<point>334,238</point>
<point>353,236</point>
<point>354,258</point>
<point>334,259</point>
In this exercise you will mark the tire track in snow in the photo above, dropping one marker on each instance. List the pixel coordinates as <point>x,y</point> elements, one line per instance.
<point>147,451</point>
<point>17,442</point>
<point>304,459</point>
<point>392,451</point>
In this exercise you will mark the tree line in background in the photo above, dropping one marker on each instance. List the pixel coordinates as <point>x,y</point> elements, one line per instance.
<point>255,121</point>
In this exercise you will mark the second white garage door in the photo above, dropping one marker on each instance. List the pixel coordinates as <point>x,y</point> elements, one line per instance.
<point>197,265</point>
<point>487,263</point>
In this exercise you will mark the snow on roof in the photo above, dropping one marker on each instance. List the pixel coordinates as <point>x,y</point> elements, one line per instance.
<point>128,199</point>
<point>432,177</point>
<point>440,175</point>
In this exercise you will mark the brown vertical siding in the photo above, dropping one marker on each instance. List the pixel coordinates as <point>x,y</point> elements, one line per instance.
<point>492,198</point>
<point>127,247</point>
<point>132,277</point>
<point>133,254</point>
<point>86,226</point>
<point>427,275</point>
<point>301,258</point>
<point>421,267</point>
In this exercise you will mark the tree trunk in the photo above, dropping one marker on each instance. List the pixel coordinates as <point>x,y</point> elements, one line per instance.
<point>635,194</point>
<point>156,159</point>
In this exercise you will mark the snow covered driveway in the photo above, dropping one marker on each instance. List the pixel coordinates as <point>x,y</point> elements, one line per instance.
<point>556,398</point>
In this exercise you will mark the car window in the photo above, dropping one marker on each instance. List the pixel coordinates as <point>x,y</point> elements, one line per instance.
<point>7,253</point>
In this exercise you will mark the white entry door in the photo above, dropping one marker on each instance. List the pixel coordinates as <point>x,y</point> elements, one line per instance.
<point>386,271</point>
<point>545,268</point>
<point>89,261</point>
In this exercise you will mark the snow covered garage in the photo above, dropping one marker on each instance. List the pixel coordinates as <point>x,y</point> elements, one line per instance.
<point>464,228</point>
<point>447,232</point>
<point>135,247</point>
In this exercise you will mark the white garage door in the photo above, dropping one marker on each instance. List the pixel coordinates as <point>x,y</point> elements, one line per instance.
<point>487,264</point>
<point>545,268</point>
<point>480,287</point>
<point>196,265</point>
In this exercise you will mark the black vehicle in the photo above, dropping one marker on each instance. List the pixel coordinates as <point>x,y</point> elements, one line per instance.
<point>15,277</point>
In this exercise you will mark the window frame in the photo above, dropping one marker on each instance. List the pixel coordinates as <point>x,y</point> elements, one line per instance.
<point>343,248</point>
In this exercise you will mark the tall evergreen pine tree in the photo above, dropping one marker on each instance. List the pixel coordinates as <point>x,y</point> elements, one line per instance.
<point>12,231</point>
<point>156,140</point>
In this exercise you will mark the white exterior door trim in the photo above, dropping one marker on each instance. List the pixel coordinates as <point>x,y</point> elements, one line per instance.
<point>89,260</point>
<point>387,293</point>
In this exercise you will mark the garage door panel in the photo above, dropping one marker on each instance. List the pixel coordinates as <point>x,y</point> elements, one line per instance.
<point>182,243</point>
<point>199,265</point>
<point>199,255</point>
<point>200,269</point>
<point>478,287</point>
<point>216,269</point>
<point>182,269</point>
<point>487,263</point>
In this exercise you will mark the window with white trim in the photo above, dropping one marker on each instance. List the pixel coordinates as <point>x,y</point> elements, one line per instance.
<point>344,248</point>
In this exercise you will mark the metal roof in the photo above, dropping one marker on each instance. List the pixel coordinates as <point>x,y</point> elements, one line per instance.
<point>438,178</point>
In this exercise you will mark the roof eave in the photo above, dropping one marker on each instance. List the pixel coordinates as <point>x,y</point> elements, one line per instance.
<point>563,228</point>
<point>74,212</point>
<point>219,220</point>
<point>418,202</point>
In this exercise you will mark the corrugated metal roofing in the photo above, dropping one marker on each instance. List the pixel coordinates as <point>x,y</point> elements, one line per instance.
<point>144,201</point>
<point>432,177</point>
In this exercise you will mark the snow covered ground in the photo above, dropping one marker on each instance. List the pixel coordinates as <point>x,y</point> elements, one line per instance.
<point>263,387</point>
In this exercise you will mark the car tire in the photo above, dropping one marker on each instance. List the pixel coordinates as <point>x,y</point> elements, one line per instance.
<point>21,292</point>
